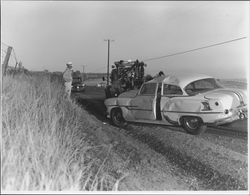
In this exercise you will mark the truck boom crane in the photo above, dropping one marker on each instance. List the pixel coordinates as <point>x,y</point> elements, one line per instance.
<point>125,75</point>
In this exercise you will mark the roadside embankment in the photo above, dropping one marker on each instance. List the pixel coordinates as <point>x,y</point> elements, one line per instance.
<point>46,139</point>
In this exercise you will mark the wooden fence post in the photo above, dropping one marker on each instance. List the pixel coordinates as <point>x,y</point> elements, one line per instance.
<point>6,60</point>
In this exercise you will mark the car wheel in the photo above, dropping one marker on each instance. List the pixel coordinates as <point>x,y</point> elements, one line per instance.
<point>193,125</point>
<point>117,118</point>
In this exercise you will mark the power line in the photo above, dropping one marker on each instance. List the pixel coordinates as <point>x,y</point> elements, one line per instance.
<point>191,50</point>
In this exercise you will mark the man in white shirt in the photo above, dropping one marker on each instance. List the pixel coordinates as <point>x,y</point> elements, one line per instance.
<point>67,76</point>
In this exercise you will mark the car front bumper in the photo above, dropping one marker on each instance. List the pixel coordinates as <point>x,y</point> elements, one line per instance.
<point>77,89</point>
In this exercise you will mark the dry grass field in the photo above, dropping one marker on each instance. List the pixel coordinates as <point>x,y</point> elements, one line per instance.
<point>45,145</point>
<point>234,83</point>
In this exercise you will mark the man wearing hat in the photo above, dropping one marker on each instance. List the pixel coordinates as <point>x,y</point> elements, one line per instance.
<point>67,76</point>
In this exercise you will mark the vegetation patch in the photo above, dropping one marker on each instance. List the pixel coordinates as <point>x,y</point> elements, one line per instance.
<point>46,139</point>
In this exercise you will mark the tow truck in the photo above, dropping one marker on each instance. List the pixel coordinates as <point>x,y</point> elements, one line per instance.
<point>125,75</point>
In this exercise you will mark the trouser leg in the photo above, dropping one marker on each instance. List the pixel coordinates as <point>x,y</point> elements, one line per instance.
<point>68,88</point>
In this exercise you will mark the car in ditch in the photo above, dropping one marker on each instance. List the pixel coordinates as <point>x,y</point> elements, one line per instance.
<point>193,101</point>
<point>78,85</point>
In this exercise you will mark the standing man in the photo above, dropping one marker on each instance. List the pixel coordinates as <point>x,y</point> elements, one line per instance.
<point>67,76</point>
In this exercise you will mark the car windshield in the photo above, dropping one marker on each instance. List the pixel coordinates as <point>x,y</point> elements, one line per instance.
<point>148,89</point>
<point>77,80</point>
<point>201,86</point>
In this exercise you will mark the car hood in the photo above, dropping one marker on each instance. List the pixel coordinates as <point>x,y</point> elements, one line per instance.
<point>77,83</point>
<point>117,101</point>
<point>129,94</point>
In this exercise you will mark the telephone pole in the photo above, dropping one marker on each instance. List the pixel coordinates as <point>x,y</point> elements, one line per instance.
<point>108,59</point>
<point>83,72</point>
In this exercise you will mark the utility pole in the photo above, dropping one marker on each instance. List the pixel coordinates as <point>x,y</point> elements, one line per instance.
<point>6,60</point>
<point>83,72</point>
<point>108,59</point>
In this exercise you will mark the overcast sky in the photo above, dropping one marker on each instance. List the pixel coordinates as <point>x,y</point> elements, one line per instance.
<point>46,35</point>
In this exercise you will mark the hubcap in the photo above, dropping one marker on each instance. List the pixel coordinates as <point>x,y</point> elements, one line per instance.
<point>118,118</point>
<point>242,116</point>
<point>192,123</point>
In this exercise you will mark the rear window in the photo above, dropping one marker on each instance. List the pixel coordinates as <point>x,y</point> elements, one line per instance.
<point>201,86</point>
<point>148,89</point>
<point>172,90</point>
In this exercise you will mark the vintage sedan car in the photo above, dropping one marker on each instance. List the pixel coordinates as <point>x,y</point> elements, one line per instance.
<point>77,85</point>
<point>192,101</point>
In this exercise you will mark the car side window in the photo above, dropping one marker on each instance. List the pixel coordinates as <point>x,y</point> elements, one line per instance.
<point>172,90</point>
<point>200,84</point>
<point>148,89</point>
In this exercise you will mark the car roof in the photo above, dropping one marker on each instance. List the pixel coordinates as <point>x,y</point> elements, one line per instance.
<point>180,79</point>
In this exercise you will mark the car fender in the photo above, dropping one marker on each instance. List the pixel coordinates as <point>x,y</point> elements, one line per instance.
<point>174,108</point>
<point>229,97</point>
<point>183,105</point>
<point>122,103</point>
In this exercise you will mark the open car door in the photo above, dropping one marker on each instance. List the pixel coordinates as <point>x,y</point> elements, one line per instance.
<point>143,105</point>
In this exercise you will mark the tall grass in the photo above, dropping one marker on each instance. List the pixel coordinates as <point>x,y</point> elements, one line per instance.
<point>43,139</point>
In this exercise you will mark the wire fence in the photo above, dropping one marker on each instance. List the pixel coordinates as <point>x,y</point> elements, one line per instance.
<point>13,58</point>
<point>9,61</point>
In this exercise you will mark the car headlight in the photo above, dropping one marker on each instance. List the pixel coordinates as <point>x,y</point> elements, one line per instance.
<point>206,106</point>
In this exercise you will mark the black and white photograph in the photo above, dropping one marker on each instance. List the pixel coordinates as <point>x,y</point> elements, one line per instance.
<point>121,97</point>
